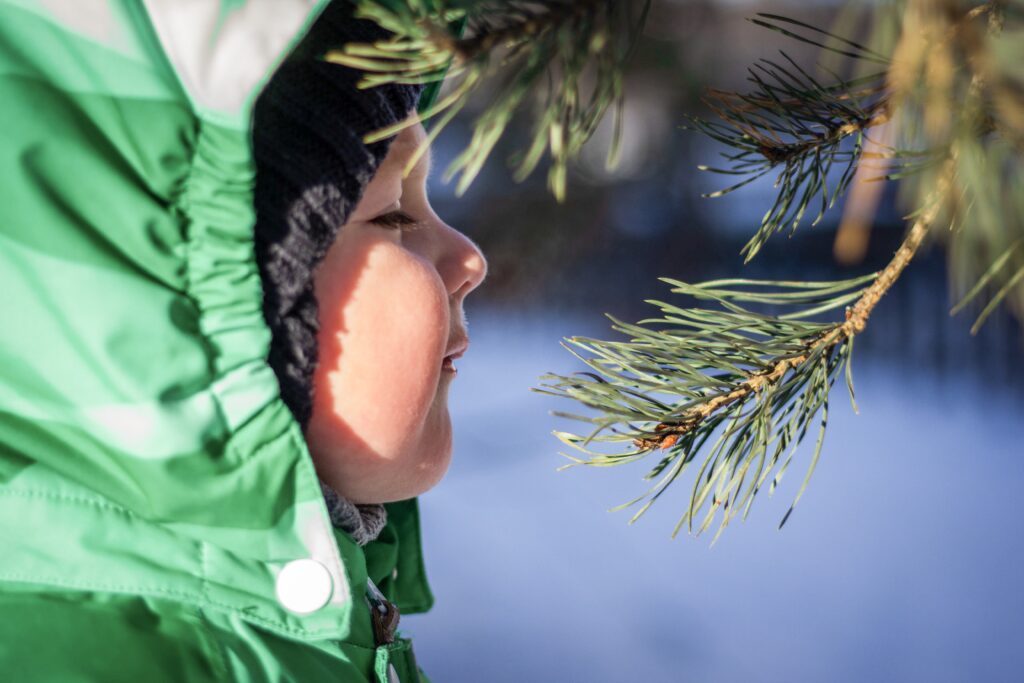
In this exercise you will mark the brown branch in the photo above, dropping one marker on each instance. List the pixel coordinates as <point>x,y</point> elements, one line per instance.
<point>856,320</point>
<point>533,24</point>
<point>752,102</point>
<point>779,153</point>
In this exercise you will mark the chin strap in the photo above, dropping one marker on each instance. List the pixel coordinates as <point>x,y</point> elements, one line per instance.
<point>363,522</point>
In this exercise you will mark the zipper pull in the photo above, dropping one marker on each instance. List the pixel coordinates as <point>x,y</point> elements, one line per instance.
<point>383,614</point>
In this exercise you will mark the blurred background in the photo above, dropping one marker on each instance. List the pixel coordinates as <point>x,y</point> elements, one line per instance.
<point>902,561</point>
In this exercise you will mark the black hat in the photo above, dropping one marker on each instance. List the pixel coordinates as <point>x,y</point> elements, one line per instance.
<point>311,169</point>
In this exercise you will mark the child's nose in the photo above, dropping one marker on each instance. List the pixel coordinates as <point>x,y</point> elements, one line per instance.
<point>463,266</point>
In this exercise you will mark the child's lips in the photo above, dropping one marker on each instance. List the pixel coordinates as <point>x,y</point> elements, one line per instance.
<point>456,350</point>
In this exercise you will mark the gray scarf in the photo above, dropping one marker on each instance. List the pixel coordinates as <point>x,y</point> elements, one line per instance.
<point>363,522</point>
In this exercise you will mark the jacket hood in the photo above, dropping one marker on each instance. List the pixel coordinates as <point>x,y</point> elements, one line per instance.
<point>144,444</point>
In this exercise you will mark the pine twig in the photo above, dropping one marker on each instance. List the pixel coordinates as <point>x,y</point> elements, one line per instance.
<point>527,27</point>
<point>855,323</point>
<point>577,48</point>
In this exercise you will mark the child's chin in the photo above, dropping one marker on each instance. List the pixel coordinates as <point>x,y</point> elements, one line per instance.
<point>415,478</point>
<point>428,473</point>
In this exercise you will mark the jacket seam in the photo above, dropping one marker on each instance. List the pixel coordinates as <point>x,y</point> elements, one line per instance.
<point>204,581</point>
<point>202,599</point>
<point>186,597</point>
<point>218,644</point>
<point>15,577</point>
<point>49,495</point>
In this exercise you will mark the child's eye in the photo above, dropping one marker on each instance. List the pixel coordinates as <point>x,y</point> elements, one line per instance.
<point>399,220</point>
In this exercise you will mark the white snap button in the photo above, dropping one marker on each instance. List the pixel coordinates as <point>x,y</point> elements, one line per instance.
<point>304,586</point>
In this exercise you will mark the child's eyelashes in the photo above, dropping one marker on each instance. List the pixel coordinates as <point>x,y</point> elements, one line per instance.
<point>398,220</point>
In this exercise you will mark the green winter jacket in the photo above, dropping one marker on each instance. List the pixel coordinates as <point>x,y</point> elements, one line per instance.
<point>160,517</point>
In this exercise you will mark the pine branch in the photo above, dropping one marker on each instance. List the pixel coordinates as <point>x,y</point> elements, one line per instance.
<point>822,344</point>
<point>743,384</point>
<point>744,387</point>
<point>805,130</point>
<point>567,54</point>
<point>533,22</point>
<point>750,384</point>
<point>986,208</point>
<point>793,122</point>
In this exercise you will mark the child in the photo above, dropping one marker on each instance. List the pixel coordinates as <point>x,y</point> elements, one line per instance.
<point>221,308</point>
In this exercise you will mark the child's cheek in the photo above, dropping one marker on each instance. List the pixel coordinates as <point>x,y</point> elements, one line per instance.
<point>407,325</point>
<point>383,341</point>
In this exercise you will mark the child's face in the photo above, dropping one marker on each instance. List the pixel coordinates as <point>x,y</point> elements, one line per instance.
<point>390,298</point>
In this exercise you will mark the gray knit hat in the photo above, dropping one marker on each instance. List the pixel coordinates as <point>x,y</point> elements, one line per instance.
<point>311,169</point>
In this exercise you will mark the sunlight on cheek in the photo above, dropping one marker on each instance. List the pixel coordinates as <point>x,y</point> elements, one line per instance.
<point>381,363</point>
